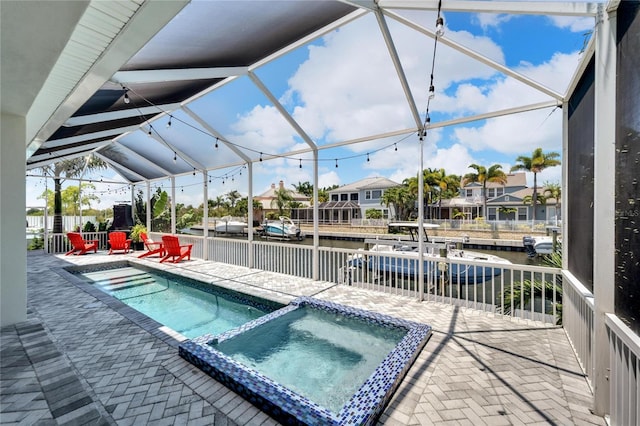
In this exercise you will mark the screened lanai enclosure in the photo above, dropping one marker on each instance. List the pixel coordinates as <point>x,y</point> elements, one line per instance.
<point>192,94</point>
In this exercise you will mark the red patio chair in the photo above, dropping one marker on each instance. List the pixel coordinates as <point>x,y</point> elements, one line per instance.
<point>153,247</point>
<point>174,250</point>
<point>80,245</point>
<point>118,241</point>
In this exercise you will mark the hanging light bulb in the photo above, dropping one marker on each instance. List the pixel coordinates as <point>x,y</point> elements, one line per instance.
<point>432,92</point>
<point>126,95</point>
<point>368,157</point>
<point>169,122</point>
<point>209,179</point>
<point>216,146</point>
<point>301,163</point>
<point>175,157</point>
<point>194,171</point>
<point>336,163</point>
<point>439,26</point>
<point>260,157</point>
<point>395,147</point>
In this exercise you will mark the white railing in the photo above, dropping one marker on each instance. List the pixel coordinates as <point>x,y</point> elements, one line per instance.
<point>228,250</point>
<point>522,291</point>
<point>284,258</point>
<point>624,359</point>
<point>59,243</point>
<point>578,321</point>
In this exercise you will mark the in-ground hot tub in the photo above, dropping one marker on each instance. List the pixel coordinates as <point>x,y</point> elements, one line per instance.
<point>313,362</point>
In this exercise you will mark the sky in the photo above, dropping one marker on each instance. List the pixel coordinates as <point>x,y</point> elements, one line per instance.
<point>344,86</point>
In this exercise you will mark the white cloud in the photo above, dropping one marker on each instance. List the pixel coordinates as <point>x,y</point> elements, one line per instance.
<point>572,23</point>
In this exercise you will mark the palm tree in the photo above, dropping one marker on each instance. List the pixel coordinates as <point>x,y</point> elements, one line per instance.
<point>69,169</point>
<point>400,198</point>
<point>553,190</point>
<point>282,199</point>
<point>304,188</point>
<point>483,175</point>
<point>535,164</point>
<point>448,186</point>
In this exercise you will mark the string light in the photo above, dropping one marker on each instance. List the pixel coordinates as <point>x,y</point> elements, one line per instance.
<point>439,26</point>
<point>367,157</point>
<point>194,171</point>
<point>395,147</point>
<point>171,118</point>
<point>175,157</point>
<point>336,163</point>
<point>432,92</point>
<point>126,95</point>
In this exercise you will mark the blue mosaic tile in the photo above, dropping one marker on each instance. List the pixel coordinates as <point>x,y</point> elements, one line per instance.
<point>364,407</point>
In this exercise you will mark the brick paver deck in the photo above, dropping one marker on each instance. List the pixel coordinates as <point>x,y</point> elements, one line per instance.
<point>84,358</point>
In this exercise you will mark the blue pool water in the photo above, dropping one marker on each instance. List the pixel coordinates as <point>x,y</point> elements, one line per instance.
<point>177,304</point>
<point>324,356</point>
<point>313,362</point>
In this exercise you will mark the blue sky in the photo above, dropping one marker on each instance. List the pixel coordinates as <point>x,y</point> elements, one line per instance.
<point>343,86</point>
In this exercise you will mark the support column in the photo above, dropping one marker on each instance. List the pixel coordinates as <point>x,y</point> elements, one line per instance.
<point>148,209</point>
<point>316,228</point>
<point>250,212</point>
<point>173,204</point>
<point>13,259</point>
<point>604,200</point>
<point>205,216</point>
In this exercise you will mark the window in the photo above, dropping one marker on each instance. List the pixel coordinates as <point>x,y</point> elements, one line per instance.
<point>492,213</point>
<point>522,213</point>
<point>334,197</point>
<point>491,192</point>
<point>499,192</point>
<point>373,194</point>
<point>354,196</point>
<point>344,197</point>
<point>469,193</point>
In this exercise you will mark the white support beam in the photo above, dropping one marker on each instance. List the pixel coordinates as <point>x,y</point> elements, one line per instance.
<point>158,76</point>
<point>477,56</point>
<point>604,202</point>
<point>89,136</point>
<point>83,120</point>
<point>391,47</point>
<point>131,153</point>
<point>311,37</point>
<point>117,166</point>
<point>216,134</point>
<point>193,163</point>
<point>559,8</point>
<point>282,110</point>
<point>65,154</point>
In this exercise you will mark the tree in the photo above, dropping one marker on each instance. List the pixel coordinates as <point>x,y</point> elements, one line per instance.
<point>73,198</point>
<point>447,186</point>
<point>400,198</point>
<point>535,164</point>
<point>373,214</point>
<point>68,169</point>
<point>282,199</point>
<point>233,197</point>
<point>553,191</point>
<point>304,188</point>
<point>483,175</point>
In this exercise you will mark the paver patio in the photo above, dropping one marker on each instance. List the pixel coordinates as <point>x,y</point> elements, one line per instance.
<point>84,358</point>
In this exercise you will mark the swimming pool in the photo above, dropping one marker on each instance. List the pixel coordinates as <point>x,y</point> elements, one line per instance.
<point>190,307</point>
<point>313,362</point>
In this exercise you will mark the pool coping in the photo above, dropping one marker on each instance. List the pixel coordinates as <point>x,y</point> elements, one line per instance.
<point>364,407</point>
